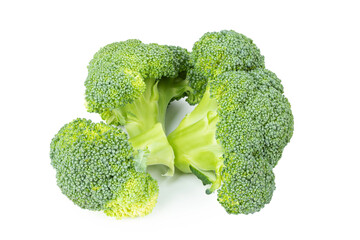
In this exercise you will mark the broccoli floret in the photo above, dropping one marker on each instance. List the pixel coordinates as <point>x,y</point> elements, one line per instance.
<point>131,84</point>
<point>96,168</point>
<point>218,52</point>
<point>236,135</point>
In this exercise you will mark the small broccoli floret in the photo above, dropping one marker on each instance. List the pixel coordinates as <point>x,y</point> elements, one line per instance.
<point>137,197</point>
<point>95,168</point>
<point>218,52</point>
<point>131,84</point>
<point>236,135</point>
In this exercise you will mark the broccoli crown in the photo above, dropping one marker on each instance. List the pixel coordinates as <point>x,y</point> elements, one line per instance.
<point>255,124</point>
<point>218,52</point>
<point>131,84</point>
<point>117,72</point>
<point>95,169</point>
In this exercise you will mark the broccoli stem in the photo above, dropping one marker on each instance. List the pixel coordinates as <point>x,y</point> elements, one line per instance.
<point>144,112</point>
<point>144,119</point>
<point>155,143</point>
<point>195,146</point>
<point>150,108</point>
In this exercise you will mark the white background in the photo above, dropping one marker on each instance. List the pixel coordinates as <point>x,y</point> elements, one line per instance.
<point>313,46</point>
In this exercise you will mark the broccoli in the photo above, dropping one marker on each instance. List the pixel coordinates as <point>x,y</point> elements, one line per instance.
<point>218,52</point>
<point>236,134</point>
<point>96,168</point>
<point>231,141</point>
<point>131,84</point>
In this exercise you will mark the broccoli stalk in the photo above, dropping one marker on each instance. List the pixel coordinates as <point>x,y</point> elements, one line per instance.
<point>195,146</point>
<point>150,108</point>
<point>144,119</point>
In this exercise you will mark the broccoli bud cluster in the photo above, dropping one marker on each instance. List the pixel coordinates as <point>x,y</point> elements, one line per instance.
<point>95,169</point>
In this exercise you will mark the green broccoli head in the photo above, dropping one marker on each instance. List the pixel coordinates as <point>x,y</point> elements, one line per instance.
<point>120,73</point>
<point>255,124</point>
<point>235,136</point>
<point>131,84</point>
<point>95,168</point>
<point>249,104</point>
<point>218,52</point>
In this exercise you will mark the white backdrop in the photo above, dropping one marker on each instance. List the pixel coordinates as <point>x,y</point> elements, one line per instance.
<point>313,46</point>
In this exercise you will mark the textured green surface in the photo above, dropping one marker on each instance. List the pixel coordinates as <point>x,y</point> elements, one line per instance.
<point>218,52</point>
<point>137,197</point>
<point>94,165</point>
<point>255,125</point>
